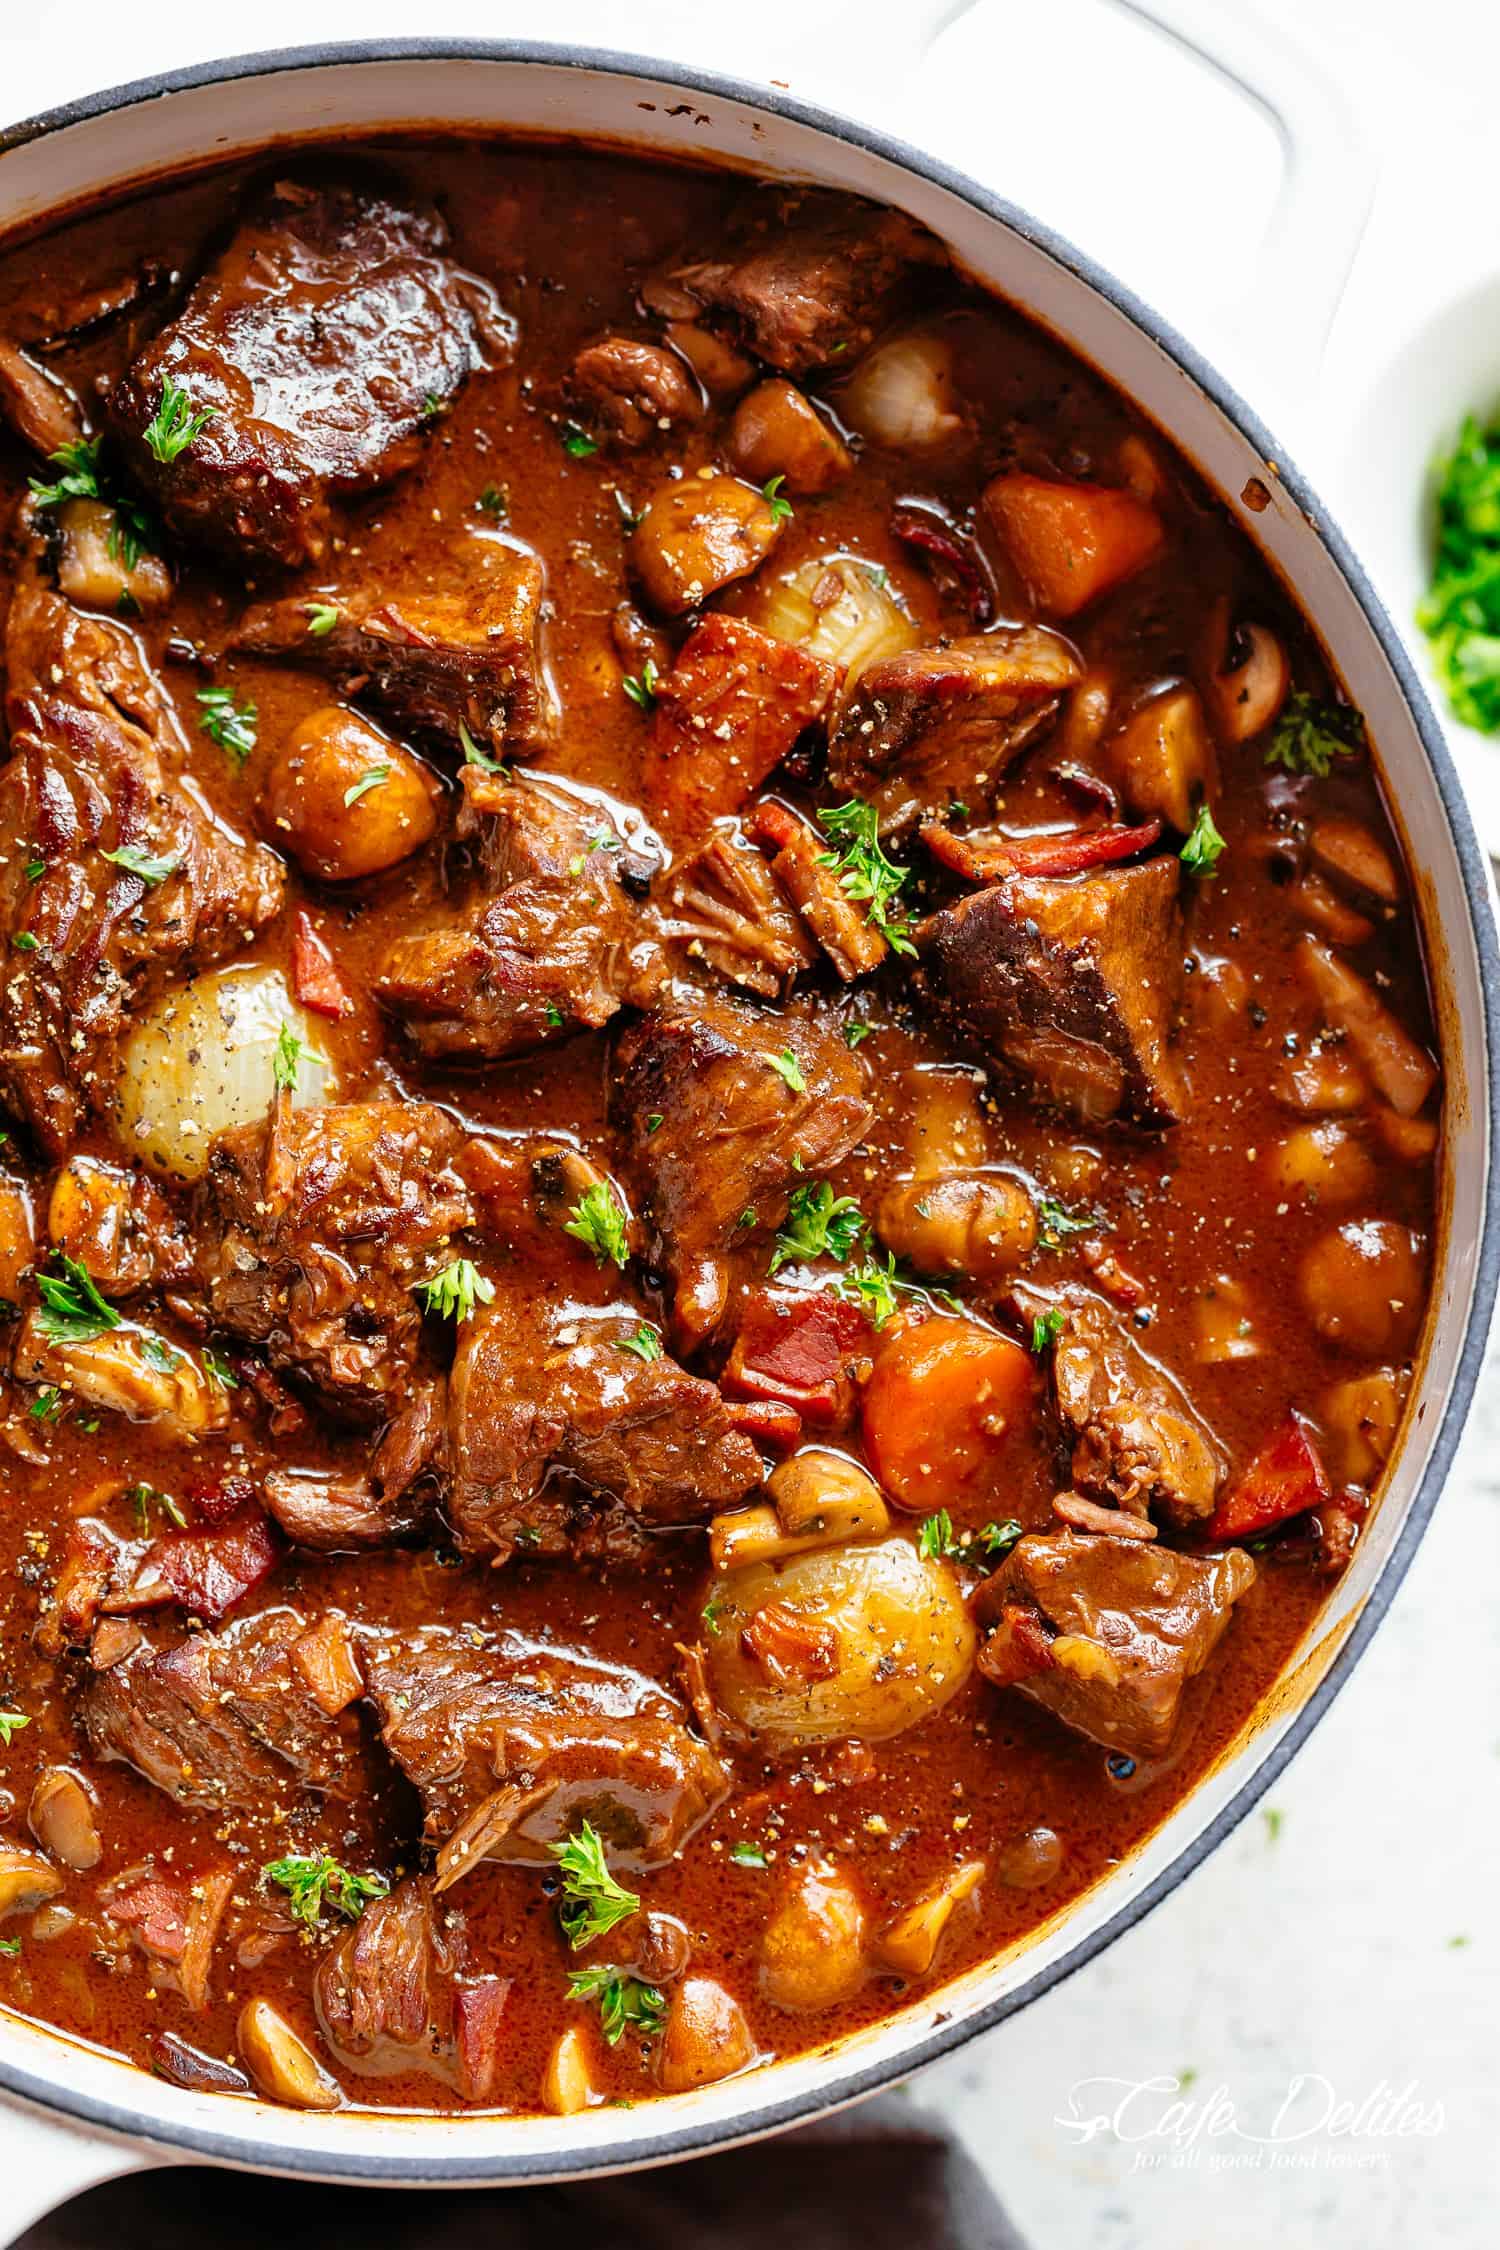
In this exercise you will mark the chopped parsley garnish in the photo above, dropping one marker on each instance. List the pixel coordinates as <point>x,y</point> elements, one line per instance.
<point>936,1538</point>
<point>286,1064</point>
<point>47,1405</point>
<point>453,1293</point>
<point>655,1121</point>
<point>373,777</point>
<point>641,687</point>
<point>779,505</point>
<point>1309,735</point>
<point>819,1224</point>
<point>474,756</point>
<point>1055,1223</point>
<point>314,1883</point>
<point>231,725</point>
<point>321,618</point>
<point>748,1855</point>
<point>25,942</point>
<point>132,533</point>
<point>73,1312</point>
<point>597,1220</point>
<point>865,874</point>
<point>432,407</point>
<point>1047,1327</point>
<point>1461,612</point>
<point>219,1371</point>
<point>173,427</point>
<point>874,1286</point>
<point>494,502</point>
<point>555,1017</point>
<point>855,1033</point>
<point>136,860</point>
<point>644,1344</point>
<point>161,1355</point>
<point>592,1901</point>
<point>10,1946</point>
<point>1201,854</point>
<point>34,870</point>
<point>997,1539</point>
<point>629,516</point>
<point>625,2002</point>
<point>11,1722</point>
<point>710,1613</point>
<point>788,1069</point>
<point>577,442</point>
<point>144,1499</point>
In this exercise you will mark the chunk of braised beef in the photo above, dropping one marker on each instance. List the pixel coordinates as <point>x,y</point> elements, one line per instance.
<point>724,1110</point>
<point>319,1224</point>
<point>555,1409</point>
<point>115,1222</point>
<point>1071,984</point>
<point>560,948</point>
<point>731,708</point>
<point>724,907</point>
<point>319,347</point>
<point>634,389</point>
<point>386,1501</point>
<point>231,1719</point>
<point>389,1997</point>
<point>933,725</point>
<point>96,766</point>
<point>513,1743</point>
<point>462,657</point>
<point>1106,1633</point>
<point>807,288</point>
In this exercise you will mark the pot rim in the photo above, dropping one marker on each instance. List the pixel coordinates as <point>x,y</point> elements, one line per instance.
<point>646,2145</point>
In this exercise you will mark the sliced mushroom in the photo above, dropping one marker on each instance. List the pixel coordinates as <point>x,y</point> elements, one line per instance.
<point>61,1817</point>
<point>909,1944</point>
<point>280,2061</point>
<point>26,1881</point>
<point>1246,698</point>
<point>568,2081</point>
<point>705,2037</point>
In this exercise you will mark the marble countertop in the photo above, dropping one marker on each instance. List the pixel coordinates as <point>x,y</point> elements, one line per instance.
<point>1328,1984</point>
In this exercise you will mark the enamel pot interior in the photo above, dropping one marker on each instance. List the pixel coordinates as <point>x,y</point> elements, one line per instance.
<point>217,112</point>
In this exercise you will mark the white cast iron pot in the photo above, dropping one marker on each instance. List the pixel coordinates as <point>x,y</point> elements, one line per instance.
<point>70,2114</point>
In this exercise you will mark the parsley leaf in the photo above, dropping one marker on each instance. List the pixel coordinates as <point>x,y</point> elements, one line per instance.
<point>788,1069</point>
<point>854,1033</point>
<point>11,1722</point>
<point>173,428</point>
<point>142,1499</point>
<point>641,687</point>
<point>73,1312</point>
<point>373,777</point>
<point>577,442</point>
<point>132,533</point>
<point>47,1405</point>
<point>999,1538</point>
<point>10,1946</point>
<point>219,1371</point>
<point>136,860</point>
<point>231,725</point>
<point>474,756</point>
<point>645,1343</point>
<point>1047,1327</point>
<point>291,1053</point>
<point>1055,1223</point>
<point>819,1224</point>
<point>592,1901</point>
<point>1201,854</point>
<point>494,502</point>
<point>865,874</point>
<point>748,1855</point>
<point>316,1882</point>
<point>453,1293</point>
<point>1309,735</point>
<point>597,1220</point>
<point>780,507</point>
<point>936,1538</point>
<point>876,1287</point>
<point>1461,612</point>
<point>321,618</point>
<point>624,2002</point>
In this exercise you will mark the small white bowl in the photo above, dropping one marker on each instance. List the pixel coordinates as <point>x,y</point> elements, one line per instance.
<point>1445,368</point>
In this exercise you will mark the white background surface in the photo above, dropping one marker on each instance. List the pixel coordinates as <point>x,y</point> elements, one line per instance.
<point>1322,1946</point>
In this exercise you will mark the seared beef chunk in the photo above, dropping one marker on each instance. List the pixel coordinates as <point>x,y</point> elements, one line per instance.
<point>634,389</point>
<point>460,657</point>
<point>559,950</point>
<point>534,828</point>
<point>1139,1443</point>
<point>809,288</point>
<point>329,332</point>
<point>119,1227</point>
<point>389,1998</point>
<point>937,724</point>
<point>1073,984</point>
<point>379,1504</point>
<point>1108,1632</point>
<point>513,1743</point>
<point>728,712</point>
<point>724,907</point>
<point>204,1571</point>
<point>550,1410</point>
<point>94,789</point>
<point>725,1111</point>
<point>321,1222</point>
<point>242,1717</point>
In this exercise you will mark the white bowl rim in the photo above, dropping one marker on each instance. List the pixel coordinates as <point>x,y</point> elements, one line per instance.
<point>640,2143</point>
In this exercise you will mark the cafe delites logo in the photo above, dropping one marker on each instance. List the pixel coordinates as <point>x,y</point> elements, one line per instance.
<point>1167,2122</point>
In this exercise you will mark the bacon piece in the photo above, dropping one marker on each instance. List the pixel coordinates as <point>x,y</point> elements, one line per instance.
<point>924,530</point>
<point>800,1349</point>
<point>315,980</point>
<point>988,858</point>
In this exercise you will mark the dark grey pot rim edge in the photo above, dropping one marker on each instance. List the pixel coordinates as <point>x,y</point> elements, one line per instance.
<point>673,2142</point>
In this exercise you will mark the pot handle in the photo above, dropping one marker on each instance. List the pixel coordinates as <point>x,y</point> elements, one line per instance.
<point>44,2162</point>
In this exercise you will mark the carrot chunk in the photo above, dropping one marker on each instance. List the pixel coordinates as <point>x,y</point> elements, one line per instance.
<point>937,1410</point>
<point>1285,1479</point>
<point>1071,542</point>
